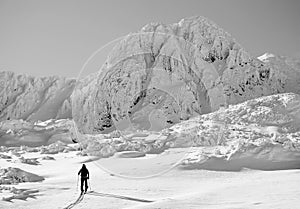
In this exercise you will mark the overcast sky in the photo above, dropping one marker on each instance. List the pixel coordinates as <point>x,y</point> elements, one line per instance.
<point>56,37</point>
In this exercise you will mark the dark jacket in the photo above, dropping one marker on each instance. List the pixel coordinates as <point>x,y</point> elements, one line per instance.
<point>84,173</point>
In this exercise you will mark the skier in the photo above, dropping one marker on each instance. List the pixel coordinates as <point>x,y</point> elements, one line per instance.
<point>84,172</point>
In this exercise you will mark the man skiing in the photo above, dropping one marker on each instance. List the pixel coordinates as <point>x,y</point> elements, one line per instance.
<point>84,172</point>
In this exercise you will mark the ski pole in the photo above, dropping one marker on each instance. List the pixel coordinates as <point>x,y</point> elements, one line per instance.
<point>90,185</point>
<point>77,183</point>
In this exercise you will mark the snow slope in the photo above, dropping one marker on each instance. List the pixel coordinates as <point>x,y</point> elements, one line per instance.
<point>175,189</point>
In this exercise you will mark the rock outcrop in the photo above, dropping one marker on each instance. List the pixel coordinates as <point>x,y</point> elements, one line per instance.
<point>30,98</point>
<point>168,73</point>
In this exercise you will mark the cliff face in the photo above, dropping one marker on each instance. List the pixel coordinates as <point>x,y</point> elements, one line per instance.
<point>30,98</point>
<point>168,73</point>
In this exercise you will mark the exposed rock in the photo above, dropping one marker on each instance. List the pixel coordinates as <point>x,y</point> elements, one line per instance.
<point>54,148</point>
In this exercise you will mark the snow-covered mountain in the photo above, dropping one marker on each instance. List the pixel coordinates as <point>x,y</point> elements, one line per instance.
<point>170,99</point>
<point>31,98</point>
<point>153,79</point>
<point>165,74</point>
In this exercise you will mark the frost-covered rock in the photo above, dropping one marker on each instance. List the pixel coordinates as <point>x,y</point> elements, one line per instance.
<point>34,134</point>
<point>30,161</point>
<point>275,117</point>
<point>103,147</point>
<point>15,175</point>
<point>265,155</point>
<point>262,133</point>
<point>54,148</point>
<point>31,98</point>
<point>165,74</point>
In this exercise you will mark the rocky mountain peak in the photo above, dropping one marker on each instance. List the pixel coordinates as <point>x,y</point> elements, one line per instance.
<point>168,73</point>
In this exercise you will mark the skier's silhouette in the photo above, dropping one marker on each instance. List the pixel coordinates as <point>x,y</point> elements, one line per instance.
<point>84,173</point>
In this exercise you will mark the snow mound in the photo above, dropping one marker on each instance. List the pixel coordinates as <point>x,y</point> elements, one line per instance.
<point>16,175</point>
<point>30,161</point>
<point>264,156</point>
<point>263,133</point>
<point>54,148</point>
<point>102,145</point>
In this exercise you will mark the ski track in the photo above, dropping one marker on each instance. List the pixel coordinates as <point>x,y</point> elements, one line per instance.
<point>118,196</point>
<point>78,200</point>
<point>81,196</point>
